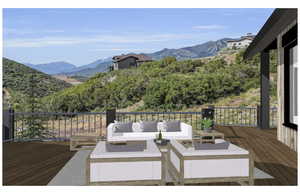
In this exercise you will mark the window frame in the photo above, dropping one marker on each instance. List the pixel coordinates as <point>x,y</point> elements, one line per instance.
<point>287,85</point>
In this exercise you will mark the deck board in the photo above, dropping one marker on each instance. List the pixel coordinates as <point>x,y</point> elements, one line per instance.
<point>33,163</point>
<point>271,156</point>
<point>36,163</point>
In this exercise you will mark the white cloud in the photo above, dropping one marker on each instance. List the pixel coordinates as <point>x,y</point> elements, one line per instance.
<point>209,27</point>
<point>119,39</point>
<point>122,49</point>
<point>9,31</point>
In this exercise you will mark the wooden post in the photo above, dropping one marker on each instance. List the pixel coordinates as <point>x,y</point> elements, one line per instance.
<point>258,116</point>
<point>8,124</point>
<point>110,116</point>
<point>12,123</point>
<point>264,91</point>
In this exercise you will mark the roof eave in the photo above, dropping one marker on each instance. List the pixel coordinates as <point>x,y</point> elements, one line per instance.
<point>276,23</point>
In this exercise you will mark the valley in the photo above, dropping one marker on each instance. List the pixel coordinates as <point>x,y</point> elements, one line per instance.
<point>167,84</point>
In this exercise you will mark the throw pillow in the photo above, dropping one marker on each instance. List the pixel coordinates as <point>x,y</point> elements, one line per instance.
<point>172,126</point>
<point>123,127</point>
<point>148,126</point>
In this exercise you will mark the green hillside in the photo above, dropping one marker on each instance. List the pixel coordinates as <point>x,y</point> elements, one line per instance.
<point>17,76</point>
<point>162,85</point>
<point>16,81</point>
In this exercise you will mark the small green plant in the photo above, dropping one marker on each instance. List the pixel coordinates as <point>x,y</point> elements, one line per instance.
<point>159,136</point>
<point>206,123</point>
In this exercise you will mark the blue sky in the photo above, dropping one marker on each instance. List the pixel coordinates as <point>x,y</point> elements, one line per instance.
<point>81,36</point>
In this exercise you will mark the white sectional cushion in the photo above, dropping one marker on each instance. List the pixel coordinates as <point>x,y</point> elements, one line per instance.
<point>137,133</point>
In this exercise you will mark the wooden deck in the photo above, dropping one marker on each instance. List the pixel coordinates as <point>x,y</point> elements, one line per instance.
<point>271,156</point>
<point>36,163</point>
<point>33,163</point>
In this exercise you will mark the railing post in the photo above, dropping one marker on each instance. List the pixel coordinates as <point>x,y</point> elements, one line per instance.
<point>110,116</point>
<point>12,123</point>
<point>258,115</point>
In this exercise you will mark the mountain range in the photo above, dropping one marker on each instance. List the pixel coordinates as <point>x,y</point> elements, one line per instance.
<point>206,49</point>
<point>53,68</point>
<point>65,68</point>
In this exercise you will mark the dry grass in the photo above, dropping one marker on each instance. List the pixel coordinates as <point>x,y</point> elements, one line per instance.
<point>67,79</point>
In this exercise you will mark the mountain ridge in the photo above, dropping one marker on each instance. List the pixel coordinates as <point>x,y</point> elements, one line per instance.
<point>209,48</point>
<point>52,67</point>
<point>206,49</point>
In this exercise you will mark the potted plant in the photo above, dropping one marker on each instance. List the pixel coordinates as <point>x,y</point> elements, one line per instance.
<point>206,124</point>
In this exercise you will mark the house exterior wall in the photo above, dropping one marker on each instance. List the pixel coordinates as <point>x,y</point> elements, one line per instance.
<point>239,44</point>
<point>285,134</point>
<point>126,63</point>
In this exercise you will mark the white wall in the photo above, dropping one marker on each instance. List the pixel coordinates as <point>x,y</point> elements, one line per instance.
<point>239,44</point>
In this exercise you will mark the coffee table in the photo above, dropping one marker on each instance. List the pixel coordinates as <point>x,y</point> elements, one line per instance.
<point>195,162</point>
<point>83,142</point>
<point>127,163</point>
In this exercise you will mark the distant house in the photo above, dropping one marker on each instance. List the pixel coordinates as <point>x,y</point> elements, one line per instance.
<point>130,60</point>
<point>242,42</point>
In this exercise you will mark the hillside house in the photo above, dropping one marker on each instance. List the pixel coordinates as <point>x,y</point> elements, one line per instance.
<point>279,32</point>
<point>242,42</point>
<point>130,60</point>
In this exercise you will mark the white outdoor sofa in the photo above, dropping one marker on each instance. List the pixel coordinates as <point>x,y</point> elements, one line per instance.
<point>184,133</point>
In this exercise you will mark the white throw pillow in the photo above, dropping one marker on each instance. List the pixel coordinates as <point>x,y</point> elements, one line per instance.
<point>136,127</point>
<point>161,127</point>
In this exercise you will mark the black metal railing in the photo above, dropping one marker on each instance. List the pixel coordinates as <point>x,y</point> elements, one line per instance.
<point>241,116</point>
<point>61,126</point>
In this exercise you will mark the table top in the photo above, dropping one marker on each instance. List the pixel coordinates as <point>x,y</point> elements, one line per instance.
<point>101,151</point>
<point>213,132</point>
<point>188,148</point>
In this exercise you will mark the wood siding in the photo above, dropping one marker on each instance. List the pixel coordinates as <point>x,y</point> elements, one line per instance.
<point>286,135</point>
<point>127,63</point>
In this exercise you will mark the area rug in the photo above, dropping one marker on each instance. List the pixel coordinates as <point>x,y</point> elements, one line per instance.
<point>73,173</point>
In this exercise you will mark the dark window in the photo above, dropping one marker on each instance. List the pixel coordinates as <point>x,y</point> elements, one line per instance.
<point>290,79</point>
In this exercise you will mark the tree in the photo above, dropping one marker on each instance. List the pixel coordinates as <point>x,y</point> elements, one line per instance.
<point>34,123</point>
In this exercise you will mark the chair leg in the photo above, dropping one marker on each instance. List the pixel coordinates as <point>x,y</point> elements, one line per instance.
<point>251,182</point>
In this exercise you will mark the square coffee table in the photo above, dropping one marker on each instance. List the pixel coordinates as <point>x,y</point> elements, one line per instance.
<point>127,163</point>
<point>192,162</point>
